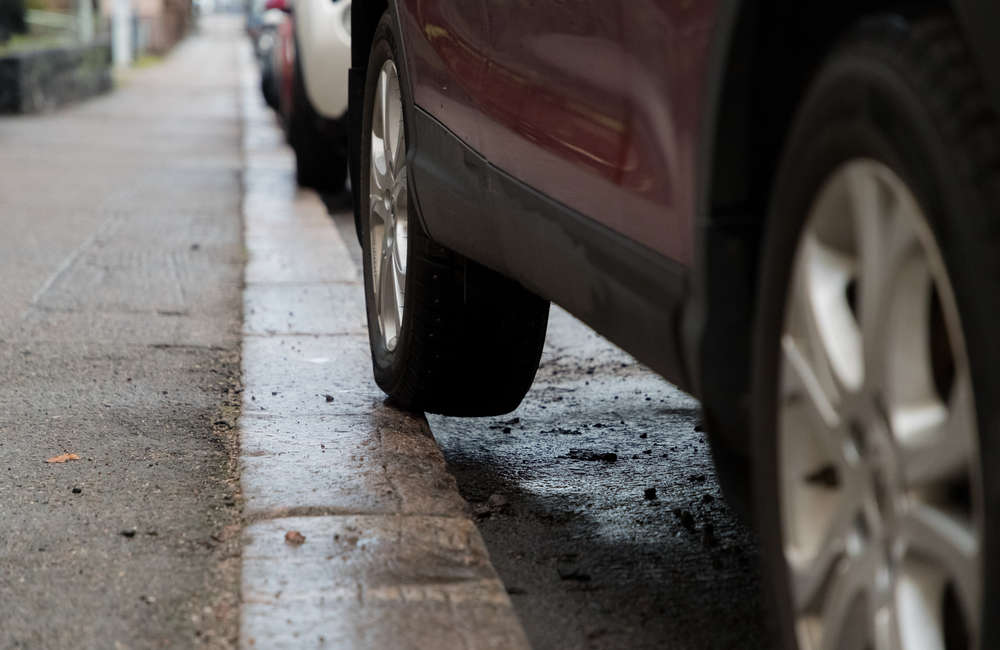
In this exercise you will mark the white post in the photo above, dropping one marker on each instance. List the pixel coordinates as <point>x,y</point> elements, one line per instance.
<point>85,20</point>
<point>121,33</point>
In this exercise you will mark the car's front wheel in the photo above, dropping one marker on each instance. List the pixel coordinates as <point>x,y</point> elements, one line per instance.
<point>876,367</point>
<point>447,335</point>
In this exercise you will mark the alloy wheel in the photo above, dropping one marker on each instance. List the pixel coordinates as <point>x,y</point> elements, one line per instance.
<point>387,202</point>
<point>878,463</point>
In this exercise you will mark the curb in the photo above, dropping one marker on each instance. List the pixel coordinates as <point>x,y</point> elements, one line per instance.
<point>390,558</point>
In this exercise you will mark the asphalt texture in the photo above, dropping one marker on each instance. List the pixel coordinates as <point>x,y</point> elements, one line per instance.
<point>121,260</point>
<point>599,505</point>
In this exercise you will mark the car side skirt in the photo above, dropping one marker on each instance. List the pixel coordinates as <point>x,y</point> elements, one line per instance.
<point>625,291</point>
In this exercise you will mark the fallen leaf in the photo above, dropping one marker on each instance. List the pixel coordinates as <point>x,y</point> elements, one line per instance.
<point>62,458</point>
<point>294,538</point>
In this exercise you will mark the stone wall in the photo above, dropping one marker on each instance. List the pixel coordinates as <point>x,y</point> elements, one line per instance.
<point>33,81</point>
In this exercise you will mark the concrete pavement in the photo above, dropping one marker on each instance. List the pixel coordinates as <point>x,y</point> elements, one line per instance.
<point>120,262</point>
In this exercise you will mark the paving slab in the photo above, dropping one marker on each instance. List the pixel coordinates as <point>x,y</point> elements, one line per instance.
<point>293,375</point>
<point>373,581</point>
<point>384,461</point>
<point>308,308</point>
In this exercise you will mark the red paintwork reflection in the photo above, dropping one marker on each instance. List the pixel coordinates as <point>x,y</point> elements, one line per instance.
<point>445,46</point>
<point>594,103</point>
<point>284,66</point>
<point>467,76</point>
<point>569,129</point>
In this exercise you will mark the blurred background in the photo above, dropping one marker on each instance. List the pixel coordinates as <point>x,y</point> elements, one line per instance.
<point>53,52</point>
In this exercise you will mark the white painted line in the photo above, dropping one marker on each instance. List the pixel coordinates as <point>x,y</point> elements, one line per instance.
<point>390,557</point>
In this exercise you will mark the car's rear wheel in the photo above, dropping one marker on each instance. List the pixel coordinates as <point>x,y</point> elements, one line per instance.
<point>447,335</point>
<point>876,369</point>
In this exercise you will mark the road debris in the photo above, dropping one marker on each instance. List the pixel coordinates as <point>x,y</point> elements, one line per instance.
<point>573,573</point>
<point>62,458</point>
<point>295,538</point>
<point>584,454</point>
<point>708,537</point>
<point>496,504</point>
<point>687,519</point>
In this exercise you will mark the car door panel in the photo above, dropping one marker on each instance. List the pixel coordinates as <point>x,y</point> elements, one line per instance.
<point>595,105</point>
<point>446,51</point>
<point>668,46</point>
<point>554,113</point>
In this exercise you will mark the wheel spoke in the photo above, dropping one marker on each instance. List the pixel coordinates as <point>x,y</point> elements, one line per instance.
<point>377,232</point>
<point>380,174</point>
<point>385,131</point>
<point>936,440</point>
<point>380,163</point>
<point>398,279</point>
<point>378,212</point>
<point>394,127</point>
<point>821,318</point>
<point>868,211</point>
<point>886,632</point>
<point>802,380</point>
<point>398,194</point>
<point>845,612</point>
<point>919,600</point>
<point>808,407</point>
<point>838,542</point>
<point>387,295</point>
<point>945,542</point>
<point>883,229</point>
<point>400,201</point>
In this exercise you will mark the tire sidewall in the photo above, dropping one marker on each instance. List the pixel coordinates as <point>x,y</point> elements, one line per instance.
<point>861,107</point>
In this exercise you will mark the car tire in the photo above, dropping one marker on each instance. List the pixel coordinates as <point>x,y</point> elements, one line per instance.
<point>469,340</point>
<point>896,140</point>
<point>268,86</point>
<point>320,144</point>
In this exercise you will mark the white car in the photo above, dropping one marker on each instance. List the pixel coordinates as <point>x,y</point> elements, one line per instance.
<point>317,121</point>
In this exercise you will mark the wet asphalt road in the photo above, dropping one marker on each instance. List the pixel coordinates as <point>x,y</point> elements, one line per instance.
<point>590,561</point>
<point>591,556</point>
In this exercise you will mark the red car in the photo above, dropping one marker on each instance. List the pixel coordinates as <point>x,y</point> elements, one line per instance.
<point>790,209</point>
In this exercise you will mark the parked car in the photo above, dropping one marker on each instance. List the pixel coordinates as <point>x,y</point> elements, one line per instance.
<point>789,209</point>
<point>278,70</point>
<point>314,109</point>
<point>255,20</point>
<point>267,46</point>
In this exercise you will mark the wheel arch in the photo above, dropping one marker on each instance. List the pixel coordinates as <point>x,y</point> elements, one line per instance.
<point>764,57</point>
<point>365,16</point>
